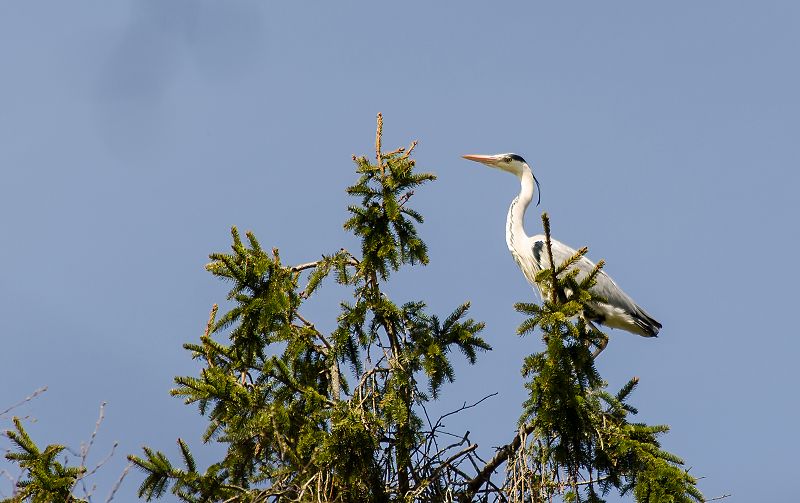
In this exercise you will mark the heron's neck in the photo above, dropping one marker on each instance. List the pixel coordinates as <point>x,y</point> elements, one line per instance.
<point>515,229</point>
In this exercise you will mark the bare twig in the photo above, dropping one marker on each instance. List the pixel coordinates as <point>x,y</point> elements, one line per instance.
<point>431,437</point>
<point>334,368</point>
<point>432,459</point>
<point>118,483</point>
<point>498,459</point>
<point>402,150</point>
<point>591,481</point>
<point>410,149</point>
<point>7,475</point>
<point>104,461</point>
<point>446,464</point>
<point>398,150</point>
<point>311,326</point>
<point>464,407</point>
<point>405,197</point>
<point>25,400</point>
<point>12,480</point>
<point>85,448</point>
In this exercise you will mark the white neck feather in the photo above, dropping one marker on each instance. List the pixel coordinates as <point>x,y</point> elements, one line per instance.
<point>515,229</point>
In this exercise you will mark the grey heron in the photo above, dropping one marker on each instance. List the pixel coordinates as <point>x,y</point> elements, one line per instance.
<point>616,310</point>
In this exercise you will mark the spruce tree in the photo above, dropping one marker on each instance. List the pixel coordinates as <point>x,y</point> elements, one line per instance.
<point>311,415</point>
<point>307,415</point>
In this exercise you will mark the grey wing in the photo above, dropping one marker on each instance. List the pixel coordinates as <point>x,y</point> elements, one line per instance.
<point>614,307</point>
<point>604,287</point>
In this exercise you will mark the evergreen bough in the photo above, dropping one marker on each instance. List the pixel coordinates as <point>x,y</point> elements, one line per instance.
<point>308,415</point>
<point>46,480</point>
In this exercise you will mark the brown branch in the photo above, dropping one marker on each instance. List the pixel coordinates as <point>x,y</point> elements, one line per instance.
<point>402,150</point>
<point>310,265</point>
<point>494,489</point>
<point>591,481</point>
<point>303,267</point>
<point>500,457</point>
<point>437,457</point>
<point>405,197</point>
<point>334,369</point>
<point>547,240</point>
<point>211,318</point>
<point>446,464</point>
<point>411,148</point>
<point>398,150</point>
<point>311,326</point>
<point>378,135</point>
<point>377,369</point>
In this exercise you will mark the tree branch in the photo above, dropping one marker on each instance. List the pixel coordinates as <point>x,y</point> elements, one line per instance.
<point>405,197</point>
<point>463,407</point>
<point>118,483</point>
<point>25,400</point>
<point>411,148</point>
<point>446,464</point>
<point>500,457</point>
<point>310,265</point>
<point>547,240</point>
<point>378,134</point>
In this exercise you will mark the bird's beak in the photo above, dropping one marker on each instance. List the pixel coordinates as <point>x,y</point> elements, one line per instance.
<point>489,160</point>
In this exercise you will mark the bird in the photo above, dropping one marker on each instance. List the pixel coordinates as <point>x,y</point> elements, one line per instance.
<point>612,307</point>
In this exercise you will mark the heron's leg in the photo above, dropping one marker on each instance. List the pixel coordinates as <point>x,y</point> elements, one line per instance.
<point>603,341</point>
<point>601,346</point>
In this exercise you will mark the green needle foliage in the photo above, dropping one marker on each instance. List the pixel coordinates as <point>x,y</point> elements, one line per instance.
<point>307,415</point>
<point>578,441</point>
<point>45,480</point>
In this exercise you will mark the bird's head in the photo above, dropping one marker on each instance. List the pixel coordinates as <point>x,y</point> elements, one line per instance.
<point>512,163</point>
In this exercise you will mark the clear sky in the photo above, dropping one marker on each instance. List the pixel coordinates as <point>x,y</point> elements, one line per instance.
<point>133,134</point>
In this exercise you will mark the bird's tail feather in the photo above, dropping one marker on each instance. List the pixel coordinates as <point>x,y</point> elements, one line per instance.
<point>649,326</point>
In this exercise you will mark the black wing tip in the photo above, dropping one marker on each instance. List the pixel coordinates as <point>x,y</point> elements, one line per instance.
<point>649,326</point>
<point>649,331</point>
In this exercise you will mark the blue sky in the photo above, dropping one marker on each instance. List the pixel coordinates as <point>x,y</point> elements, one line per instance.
<point>133,134</point>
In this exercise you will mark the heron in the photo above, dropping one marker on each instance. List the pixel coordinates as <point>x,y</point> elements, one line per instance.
<point>612,307</point>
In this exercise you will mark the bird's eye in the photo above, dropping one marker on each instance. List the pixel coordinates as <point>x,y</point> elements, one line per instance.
<point>507,159</point>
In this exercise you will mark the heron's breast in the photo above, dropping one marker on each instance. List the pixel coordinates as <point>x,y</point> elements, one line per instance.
<point>526,266</point>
